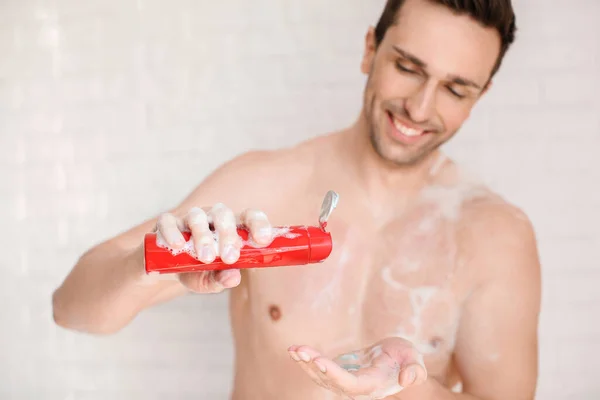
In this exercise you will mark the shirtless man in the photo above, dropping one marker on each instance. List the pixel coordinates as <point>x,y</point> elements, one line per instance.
<point>432,275</point>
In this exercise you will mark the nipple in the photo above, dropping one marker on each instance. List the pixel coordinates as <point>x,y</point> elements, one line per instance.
<point>274,312</point>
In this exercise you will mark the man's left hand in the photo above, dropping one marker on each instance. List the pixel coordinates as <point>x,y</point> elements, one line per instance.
<point>380,370</point>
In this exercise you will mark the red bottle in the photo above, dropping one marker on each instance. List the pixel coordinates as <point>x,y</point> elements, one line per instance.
<point>295,245</point>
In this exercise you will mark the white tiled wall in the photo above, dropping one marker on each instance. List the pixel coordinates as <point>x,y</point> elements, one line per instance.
<point>112,110</point>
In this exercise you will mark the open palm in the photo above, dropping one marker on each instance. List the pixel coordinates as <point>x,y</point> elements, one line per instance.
<point>375,372</point>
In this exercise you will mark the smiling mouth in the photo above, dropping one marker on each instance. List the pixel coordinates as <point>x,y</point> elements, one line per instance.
<point>404,133</point>
<point>405,129</point>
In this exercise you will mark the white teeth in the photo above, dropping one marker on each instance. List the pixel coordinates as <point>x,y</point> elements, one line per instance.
<point>405,130</point>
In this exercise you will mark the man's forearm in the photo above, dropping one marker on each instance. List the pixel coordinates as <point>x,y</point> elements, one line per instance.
<point>104,291</point>
<point>431,389</point>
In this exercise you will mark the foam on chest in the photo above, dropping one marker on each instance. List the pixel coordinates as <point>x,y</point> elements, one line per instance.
<point>413,291</point>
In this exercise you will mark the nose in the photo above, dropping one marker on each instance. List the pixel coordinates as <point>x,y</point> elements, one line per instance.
<point>421,104</point>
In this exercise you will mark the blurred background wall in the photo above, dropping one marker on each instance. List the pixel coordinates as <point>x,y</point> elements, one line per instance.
<point>113,110</point>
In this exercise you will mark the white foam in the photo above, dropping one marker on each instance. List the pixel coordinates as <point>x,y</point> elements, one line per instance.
<point>189,245</point>
<point>425,348</point>
<point>255,215</point>
<point>375,352</point>
<point>449,198</point>
<point>419,297</point>
<point>391,387</point>
<point>409,265</point>
<point>427,225</point>
<point>226,218</point>
<point>276,232</point>
<point>386,275</point>
<point>280,231</point>
<point>196,215</point>
<point>355,361</point>
<point>457,388</point>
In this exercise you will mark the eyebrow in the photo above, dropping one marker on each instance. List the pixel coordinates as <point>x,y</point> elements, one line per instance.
<point>459,80</point>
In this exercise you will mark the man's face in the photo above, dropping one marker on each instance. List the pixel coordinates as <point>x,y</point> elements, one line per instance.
<point>424,79</point>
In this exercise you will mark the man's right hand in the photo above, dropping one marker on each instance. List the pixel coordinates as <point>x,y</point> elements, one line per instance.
<point>227,244</point>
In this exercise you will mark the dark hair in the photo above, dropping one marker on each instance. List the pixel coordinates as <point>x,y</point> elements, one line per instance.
<point>498,14</point>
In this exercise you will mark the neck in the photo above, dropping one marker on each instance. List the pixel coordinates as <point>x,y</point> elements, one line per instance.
<point>381,179</point>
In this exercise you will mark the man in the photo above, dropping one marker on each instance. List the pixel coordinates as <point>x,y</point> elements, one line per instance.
<point>433,280</point>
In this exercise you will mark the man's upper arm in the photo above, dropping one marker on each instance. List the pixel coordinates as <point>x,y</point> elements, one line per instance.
<point>237,183</point>
<point>497,349</point>
<point>234,183</point>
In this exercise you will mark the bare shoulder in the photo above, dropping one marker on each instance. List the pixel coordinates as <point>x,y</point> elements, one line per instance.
<point>495,236</point>
<point>491,216</point>
<point>485,216</point>
<point>250,179</point>
<point>499,238</point>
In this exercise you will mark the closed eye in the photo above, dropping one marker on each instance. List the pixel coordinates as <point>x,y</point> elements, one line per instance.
<point>455,93</point>
<point>404,69</point>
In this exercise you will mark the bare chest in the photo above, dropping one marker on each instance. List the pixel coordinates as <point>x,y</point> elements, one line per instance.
<point>398,280</point>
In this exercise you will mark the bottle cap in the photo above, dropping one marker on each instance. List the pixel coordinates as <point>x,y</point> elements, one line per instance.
<point>329,203</point>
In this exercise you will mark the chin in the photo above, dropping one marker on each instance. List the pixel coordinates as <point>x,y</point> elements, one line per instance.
<point>396,153</point>
<point>407,160</point>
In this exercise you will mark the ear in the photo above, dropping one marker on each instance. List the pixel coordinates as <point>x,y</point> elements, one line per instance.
<point>369,52</point>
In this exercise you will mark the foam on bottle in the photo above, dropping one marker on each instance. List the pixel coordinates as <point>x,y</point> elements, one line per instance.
<point>188,247</point>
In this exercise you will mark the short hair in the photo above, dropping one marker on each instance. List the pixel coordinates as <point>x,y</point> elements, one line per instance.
<point>498,14</point>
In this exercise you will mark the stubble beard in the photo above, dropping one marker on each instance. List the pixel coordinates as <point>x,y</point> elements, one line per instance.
<point>410,157</point>
<point>377,143</point>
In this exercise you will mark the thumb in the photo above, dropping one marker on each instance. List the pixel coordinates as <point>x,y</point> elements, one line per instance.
<point>411,375</point>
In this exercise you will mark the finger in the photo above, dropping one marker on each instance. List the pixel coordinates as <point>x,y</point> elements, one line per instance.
<point>307,353</point>
<point>311,371</point>
<point>411,375</point>
<point>201,282</point>
<point>228,278</point>
<point>352,378</point>
<point>304,354</point>
<point>169,228</point>
<point>369,369</point>
<point>357,379</point>
<point>226,228</point>
<point>408,359</point>
<point>259,226</point>
<point>328,371</point>
<point>307,367</point>
<point>210,281</point>
<point>402,352</point>
<point>204,241</point>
